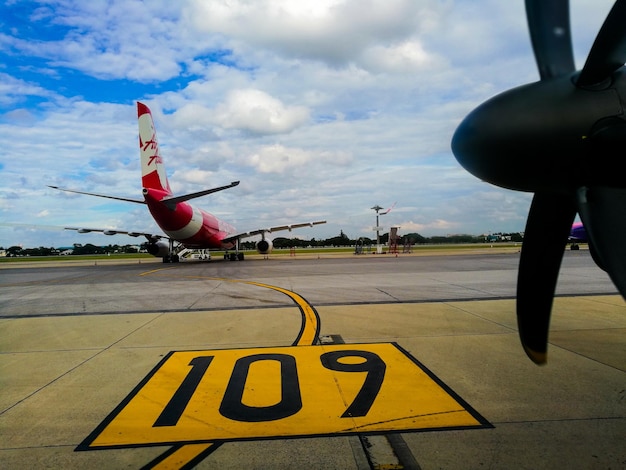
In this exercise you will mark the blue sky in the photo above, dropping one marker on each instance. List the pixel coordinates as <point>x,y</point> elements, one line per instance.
<point>321,108</point>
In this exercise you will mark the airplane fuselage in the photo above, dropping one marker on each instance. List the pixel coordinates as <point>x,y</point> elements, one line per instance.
<point>189,225</point>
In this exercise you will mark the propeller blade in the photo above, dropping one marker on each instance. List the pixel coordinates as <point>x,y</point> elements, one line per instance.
<point>547,229</point>
<point>550,34</point>
<point>608,52</point>
<point>603,212</point>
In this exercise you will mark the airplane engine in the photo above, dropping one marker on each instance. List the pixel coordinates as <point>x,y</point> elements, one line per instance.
<point>160,249</point>
<point>264,246</point>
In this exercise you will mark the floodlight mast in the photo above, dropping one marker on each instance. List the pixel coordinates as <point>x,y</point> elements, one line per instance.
<point>377,208</point>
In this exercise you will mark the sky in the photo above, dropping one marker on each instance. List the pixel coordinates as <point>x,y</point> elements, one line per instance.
<point>322,109</point>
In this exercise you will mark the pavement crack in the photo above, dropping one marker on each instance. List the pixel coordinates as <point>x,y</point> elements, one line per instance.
<point>388,294</point>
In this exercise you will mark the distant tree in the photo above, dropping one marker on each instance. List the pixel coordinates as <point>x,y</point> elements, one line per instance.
<point>87,249</point>
<point>415,238</point>
<point>14,251</point>
<point>247,245</point>
<point>516,237</point>
<point>341,240</point>
<point>41,251</point>
<point>462,238</point>
<point>281,242</point>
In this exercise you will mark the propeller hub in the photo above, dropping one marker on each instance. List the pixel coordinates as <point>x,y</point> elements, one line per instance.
<point>537,137</point>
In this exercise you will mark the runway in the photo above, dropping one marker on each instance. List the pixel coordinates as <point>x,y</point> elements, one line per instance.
<point>243,365</point>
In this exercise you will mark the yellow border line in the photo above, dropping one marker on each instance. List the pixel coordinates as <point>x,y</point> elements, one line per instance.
<point>155,271</point>
<point>181,457</point>
<point>310,319</point>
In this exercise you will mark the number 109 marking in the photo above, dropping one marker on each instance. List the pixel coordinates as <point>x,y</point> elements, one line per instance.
<point>232,406</point>
<point>235,394</point>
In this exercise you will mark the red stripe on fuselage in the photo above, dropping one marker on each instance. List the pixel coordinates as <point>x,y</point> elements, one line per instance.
<point>177,222</point>
<point>209,236</point>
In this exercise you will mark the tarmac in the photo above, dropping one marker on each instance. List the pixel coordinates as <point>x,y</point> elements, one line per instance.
<point>357,362</point>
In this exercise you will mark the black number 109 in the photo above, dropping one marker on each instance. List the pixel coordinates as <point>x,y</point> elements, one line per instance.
<point>290,403</point>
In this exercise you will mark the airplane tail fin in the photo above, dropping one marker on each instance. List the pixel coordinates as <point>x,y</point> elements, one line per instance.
<point>153,174</point>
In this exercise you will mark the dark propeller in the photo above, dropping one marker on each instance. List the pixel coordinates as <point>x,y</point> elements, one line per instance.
<point>562,138</point>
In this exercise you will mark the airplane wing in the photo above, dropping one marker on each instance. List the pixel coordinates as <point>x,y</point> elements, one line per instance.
<point>150,236</point>
<point>125,199</point>
<point>279,228</point>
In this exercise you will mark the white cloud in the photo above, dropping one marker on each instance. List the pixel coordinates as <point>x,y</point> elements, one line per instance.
<point>436,225</point>
<point>193,176</point>
<point>13,91</point>
<point>406,57</point>
<point>333,31</point>
<point>279,159</point>
<point>257,112</point>
<point>131,39</point>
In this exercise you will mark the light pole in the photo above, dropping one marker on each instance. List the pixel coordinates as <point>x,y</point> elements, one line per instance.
<point>377,208</point>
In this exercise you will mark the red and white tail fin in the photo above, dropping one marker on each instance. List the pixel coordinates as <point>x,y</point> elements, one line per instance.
<point>153,175</point>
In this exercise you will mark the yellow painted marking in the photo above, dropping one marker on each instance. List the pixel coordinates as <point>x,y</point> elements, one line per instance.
<point>232,401</point>
<point>310,320</point>
<point>265,374</point>
<point>182,456</point>
<point>155,271</point>
<point>310,326</point>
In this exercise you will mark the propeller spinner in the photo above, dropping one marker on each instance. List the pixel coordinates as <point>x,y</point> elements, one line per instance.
<point>560,138</point>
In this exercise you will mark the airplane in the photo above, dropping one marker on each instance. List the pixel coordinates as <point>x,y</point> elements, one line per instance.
<point>577,235</point>
<point>183,224</point>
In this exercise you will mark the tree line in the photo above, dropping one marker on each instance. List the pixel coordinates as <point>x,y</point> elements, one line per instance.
<point>77,249</point>
<point>410,238</point>
<point>337,241</point>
